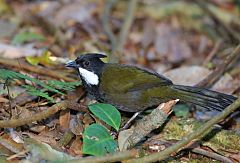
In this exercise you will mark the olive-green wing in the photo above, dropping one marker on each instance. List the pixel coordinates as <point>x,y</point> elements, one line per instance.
<point>121,79</point>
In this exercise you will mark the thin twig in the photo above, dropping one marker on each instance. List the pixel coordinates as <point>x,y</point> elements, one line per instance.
<point>109,158</point>
<point>193,147</point>
<point>234,35</point>
<point>132,4</point>
<point>149,123</point>
<point>36,117</point>
<point>9,97</point>
<point>117,44</point>
<point>187,139</point>
<point>217,73</point>
<point>118,156</point>
<point>213,52</point>
<point>105,21</point>
<point>36,69</point>
<point>20,154</point>
<point>211,155</point>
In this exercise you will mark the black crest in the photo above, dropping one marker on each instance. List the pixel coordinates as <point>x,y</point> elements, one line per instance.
<point>89,56</point>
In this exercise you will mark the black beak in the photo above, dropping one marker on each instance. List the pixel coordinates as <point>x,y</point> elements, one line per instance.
<point>71,64</point>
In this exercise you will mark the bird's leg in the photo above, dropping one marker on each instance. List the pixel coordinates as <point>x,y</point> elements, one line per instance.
<point>130,120</point>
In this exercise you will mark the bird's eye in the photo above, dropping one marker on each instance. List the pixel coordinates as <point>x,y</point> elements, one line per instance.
<point>86,63</point>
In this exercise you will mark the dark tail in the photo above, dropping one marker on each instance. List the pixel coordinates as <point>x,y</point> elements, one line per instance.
<point>208,99</point>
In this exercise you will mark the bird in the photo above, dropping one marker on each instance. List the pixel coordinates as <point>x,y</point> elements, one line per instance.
<point>133,89</point>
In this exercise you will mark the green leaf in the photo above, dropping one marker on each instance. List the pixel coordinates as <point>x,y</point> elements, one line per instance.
<point>67,86</point>
<point>37,92</point>
<point>7,74</point>
<point>107,113</point>
<point>26,36</point>
<point>97,141</point>
<point>181,110</point>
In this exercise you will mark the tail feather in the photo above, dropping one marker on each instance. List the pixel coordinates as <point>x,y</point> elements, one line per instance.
<point>208,99</point>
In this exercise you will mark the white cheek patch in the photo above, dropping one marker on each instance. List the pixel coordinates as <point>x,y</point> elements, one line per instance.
<point>89,76</point>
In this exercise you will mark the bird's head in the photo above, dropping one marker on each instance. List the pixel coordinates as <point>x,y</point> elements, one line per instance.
<point>89,67</point>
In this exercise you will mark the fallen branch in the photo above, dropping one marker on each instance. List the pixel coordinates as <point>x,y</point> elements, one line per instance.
<point>159,145</point>
<point>35,69</point>
<point>109,157</point>
<point>129,138</point>
<point>40,116</point>
<point>211,155</point>
<point>119,156</point>
<point>175,129</point>
<point>187,139</point>
<point>217,73</point>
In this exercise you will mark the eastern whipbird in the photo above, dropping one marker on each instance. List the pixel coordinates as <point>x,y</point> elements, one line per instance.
<point>134,89</point>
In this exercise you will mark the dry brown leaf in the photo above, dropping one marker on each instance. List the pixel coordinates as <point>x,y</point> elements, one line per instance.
<point>14,91</point>
<point>226,84</point>
<point>187,75</point>
<point>76,147</point>
<point>64,119</point>
<point>87,119</point>
<point>13,52</point>
<point>16,136</point>
<point>3,100</point>
<point>170,43</point>
<point>22,112</point>
<point>5,151</point>
<point>47,136</point>
<point>37,128</point>
<point>235,156</point>
<point>149,33</point>
<point>77,11</point>
<point>10,144</point>
<point>76,125</point>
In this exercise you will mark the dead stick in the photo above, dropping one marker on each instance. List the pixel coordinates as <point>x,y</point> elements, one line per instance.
<point>211,155</point>
<point>36,117</point>
<point>117,44</point>
<point>194,147</point>
<point>217,73</point>
<point>132,4</point>
<point>187,139</point>
<point>234,35</point>
<point>109,157</point>
<point>118,156</point>
<point>42,115</point>
<point>213,52</point>
<point>105,21</point>
<point>150,122</point>
<point>35,69</point>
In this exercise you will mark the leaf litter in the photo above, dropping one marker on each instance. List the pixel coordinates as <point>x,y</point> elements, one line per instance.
<point>164,36</point>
